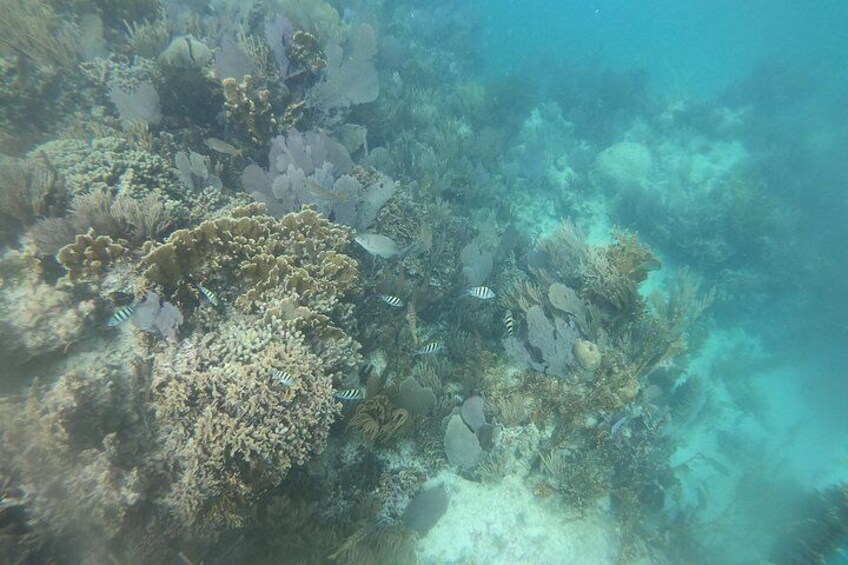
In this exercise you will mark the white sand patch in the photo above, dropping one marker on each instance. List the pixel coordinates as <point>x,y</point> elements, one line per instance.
<point>505,523</point>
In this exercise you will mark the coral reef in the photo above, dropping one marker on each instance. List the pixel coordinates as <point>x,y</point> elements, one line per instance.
<point>185,319</point>
<point>249,110</point>
<point>39,319</point>
<point>232,430</point>
<point>90,256</point>
<point>82,464</point>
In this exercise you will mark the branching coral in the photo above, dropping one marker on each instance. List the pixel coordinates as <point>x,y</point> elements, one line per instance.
<point>232,430</point>
<point>250,109</point>
<point>117,190</point>
<point>90,255</point>
<point>262,263</point>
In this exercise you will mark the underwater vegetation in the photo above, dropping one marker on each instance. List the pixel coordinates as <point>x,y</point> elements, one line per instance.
<point>280,279</point>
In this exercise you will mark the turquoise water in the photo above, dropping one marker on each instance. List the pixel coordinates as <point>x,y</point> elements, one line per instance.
<point>423,282</point>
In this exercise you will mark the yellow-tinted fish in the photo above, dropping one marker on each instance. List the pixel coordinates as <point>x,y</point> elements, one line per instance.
<point>379,245</point>
<point>121,315</point>
<point>319,191</point>
<point>509,323</point>
<point>350,394</point>
<point>222,146</point>
<point>282,377</point>
<point>208,295</point>
<point>392,301</point>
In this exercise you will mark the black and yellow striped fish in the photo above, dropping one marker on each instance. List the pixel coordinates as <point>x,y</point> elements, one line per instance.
<point>509,324</point>
<point>481,292</point>
<point>282,377</point>
<point>121,315</point>
<point>350,394</point>
<point>392,301</point>
<point>208,295</point>
<point>430,348</point>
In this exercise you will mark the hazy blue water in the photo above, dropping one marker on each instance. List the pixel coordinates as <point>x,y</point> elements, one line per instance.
<point>695,46</point>
<point>776,357</point>
<point>786,62</point>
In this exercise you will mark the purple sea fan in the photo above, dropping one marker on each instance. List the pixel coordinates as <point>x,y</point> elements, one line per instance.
<point>278,34</point>
<point>350,78</point>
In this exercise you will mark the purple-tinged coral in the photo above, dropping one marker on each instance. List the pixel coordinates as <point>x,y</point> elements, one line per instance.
<point>350,74</point>
<point>313,168</point>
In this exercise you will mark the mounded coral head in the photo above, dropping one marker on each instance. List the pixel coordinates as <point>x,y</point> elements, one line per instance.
<point>586,353</point>
<point>624,164</point>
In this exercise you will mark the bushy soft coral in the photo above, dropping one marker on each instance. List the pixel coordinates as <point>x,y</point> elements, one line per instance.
<point>74,445</point>
<point>39,319</point>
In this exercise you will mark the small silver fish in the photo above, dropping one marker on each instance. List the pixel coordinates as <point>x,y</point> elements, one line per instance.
<point>509,323</point>
<point>221,146</point>
<point>617,425</point>
<point>392,301</point>
<point>481,292</point>
<point>322,193</point>
<point>350,394</point>
<point>380,245</point>
<point>430,348</point>
<point>121,315</point>
<point>282,377</point>
<point>208,295</point>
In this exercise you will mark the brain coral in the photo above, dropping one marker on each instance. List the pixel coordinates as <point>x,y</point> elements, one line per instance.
<point>230,429</point>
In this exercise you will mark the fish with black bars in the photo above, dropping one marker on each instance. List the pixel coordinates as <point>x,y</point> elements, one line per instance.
<point>210,296</point>
<point>350,394</point>
<point>392,301</point>
<point>121,315</point>
<point>431,348</point>
<point>480,292</point>
<point>509,324</point>
<point>282,377</point>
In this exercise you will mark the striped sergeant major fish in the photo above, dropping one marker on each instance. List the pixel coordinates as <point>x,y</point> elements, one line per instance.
<point>208,295</point>
<point>282,377</point>
<point>431,348</point>
<point>121,315</point>
<point>350,394</point>
<point>392,301</point>
<point>481,292</point>
<point>509,324</point>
